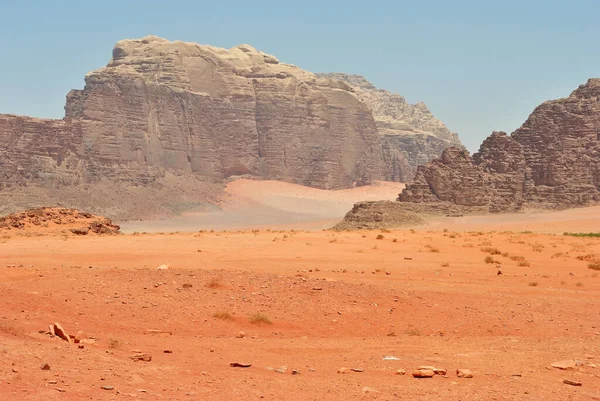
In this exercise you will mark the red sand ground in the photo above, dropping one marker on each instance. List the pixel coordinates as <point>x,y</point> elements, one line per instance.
<point>331,305</point>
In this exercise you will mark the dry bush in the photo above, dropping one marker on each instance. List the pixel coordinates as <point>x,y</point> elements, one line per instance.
<point>523,263</point>
<point>215,282</point>
<point>489,259</point>
<point>432,248</point>
<point>533,284</point>
<point>380,236</point>
<point>594,266</point>
<point>259,318</point>
<point>223,315</point>
<point>492,251</point>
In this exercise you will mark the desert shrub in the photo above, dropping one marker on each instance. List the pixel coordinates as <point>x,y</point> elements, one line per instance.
<point>215,282</point>
<point>533,284</point>
<point>594,266</point>
<point>492,251</point>
<point>380,236</point>
<point>223,315</point>
<point>259,318</point>
<point>489,259</point>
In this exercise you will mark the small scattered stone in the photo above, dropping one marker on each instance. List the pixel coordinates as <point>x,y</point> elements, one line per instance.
<point>45,366</point>
<point>423,373</point>
<point>61,333</point>
<point>241,334</point>
<point>464,373</point>
<point>281,369</point>
<point>187,286</point>
<point>572,382</point>
<point>344,370</point>
<point>367,390</point>
<point>168,351</point>
<point>141,357</point>
<point>565,365</point>
<point>240,365</point>
<point>317,288</point>
<point>401,372</point>
<point>80,346</point>
<point>107,387</point>
<point>61,390</point>
<point>163,267</point>
<point>295,372</point>
<point>52,382</point>
<point>357,370</point>
<point>80,336</point>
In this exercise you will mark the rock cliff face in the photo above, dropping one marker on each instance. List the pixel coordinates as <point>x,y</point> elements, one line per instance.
<point>410,134</point>
<point>553,160</point>
<point>164,113</point>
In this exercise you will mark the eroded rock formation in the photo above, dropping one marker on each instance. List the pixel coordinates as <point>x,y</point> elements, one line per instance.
<point>553,160</point>
<point>171,106</point>
<point>410,134</point>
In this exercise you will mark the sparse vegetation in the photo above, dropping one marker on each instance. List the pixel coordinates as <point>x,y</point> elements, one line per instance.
<point>490,260</point>
<point>385,230</point>
<point>411,331</point>
<point>223,315</point>
<point>214,283</point>
<point>588,258</point>
<point>492,251</point>
<point>445,264</point>
<point>113,343</point>
<point>594,265</point>
<point>380,236</point>
<point>533,284</point>
<point>431,248</point>
<point>523,263</point>
<point>395,240</point>
<point>594,235</point>
<point>579,284</point>
<point>259,318</point>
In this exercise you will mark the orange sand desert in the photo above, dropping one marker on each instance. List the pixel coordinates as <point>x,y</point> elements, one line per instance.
<point>315,303</point>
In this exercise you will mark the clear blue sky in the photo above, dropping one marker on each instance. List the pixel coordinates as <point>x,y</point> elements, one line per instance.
<point>479,65</point>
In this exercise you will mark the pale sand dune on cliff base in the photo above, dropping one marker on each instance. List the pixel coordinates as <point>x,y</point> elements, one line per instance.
<point>272,204</point>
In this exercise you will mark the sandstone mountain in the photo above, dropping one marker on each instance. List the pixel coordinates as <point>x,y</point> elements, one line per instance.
<point>553,161</point>
<point>410,134</point>
<point>167,122</point>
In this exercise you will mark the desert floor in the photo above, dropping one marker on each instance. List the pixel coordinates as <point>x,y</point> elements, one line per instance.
<point>314,302</point>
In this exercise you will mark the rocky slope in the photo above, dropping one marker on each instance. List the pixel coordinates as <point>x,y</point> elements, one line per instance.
<point>410,134</point>
<point>50,220</point>
<point>553,160</point>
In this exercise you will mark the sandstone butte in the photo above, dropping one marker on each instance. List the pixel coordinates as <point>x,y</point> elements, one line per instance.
<point>164,121</point>
<point>551,161</point>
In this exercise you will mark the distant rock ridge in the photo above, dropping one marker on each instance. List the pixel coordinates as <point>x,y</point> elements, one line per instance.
<point>552,160</point>
<point>161,112</point>
<point>410,134</point>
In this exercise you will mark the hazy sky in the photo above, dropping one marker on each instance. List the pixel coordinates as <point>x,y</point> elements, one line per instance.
<point>479,65</point>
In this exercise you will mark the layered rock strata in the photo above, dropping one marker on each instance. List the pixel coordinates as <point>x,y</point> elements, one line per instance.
<point>410,134</point>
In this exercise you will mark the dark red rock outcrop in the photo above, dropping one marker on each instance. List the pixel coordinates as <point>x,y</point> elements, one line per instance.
<point>553,160</point>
